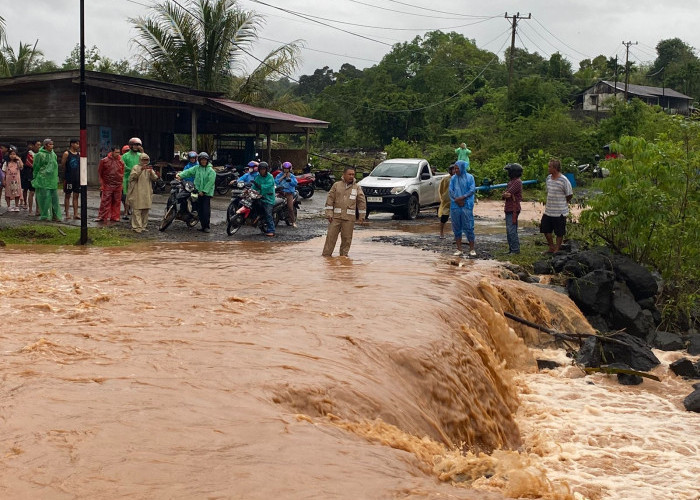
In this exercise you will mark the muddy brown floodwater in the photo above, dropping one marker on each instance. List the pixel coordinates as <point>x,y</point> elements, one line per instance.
<point>250,370</point>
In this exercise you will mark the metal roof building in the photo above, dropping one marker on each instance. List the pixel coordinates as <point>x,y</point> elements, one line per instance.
<point>594,98</point>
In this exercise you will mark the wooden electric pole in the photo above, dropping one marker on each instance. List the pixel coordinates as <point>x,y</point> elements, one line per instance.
<point>627,65</point>
<point>514,24</point>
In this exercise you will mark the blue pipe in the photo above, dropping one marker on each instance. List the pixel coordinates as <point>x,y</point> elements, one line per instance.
<point>488,186</point>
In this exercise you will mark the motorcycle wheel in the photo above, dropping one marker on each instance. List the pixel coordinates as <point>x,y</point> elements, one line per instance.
<point>326,184</point>
<point>234,224</point>
<point>306,193</point>
<point>168,218</point>
<point>222,190</point>
<point>193,221</point>
<point>276,218</point>
<point>231,211</point>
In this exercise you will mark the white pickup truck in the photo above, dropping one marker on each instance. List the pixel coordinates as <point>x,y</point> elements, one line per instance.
<point>402,186</point>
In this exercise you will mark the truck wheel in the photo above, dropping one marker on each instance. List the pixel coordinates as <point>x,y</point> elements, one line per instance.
<point>412,209</point>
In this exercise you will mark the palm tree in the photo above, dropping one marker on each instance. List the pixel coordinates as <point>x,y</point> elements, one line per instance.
<point>26,60</point>
<point>202,43</point>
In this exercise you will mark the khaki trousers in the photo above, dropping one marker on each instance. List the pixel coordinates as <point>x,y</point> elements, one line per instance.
<point>139,219</point>
<point>342,227</point>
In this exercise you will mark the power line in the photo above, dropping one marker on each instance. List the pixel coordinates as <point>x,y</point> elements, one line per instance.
<point>400,11</point>
<point>560,40</point>
<point>543,52</point>
<point>438,11</point>
<point>556,49</point>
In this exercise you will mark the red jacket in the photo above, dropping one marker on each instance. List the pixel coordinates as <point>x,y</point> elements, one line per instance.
<point>111,172</point>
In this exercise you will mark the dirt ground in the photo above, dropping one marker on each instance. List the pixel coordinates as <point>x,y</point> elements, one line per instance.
<point>382,227</point>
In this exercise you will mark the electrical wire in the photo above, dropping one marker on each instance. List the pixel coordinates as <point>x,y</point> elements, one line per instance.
<point>438,11</point>
<point>403,12</point>
<point>559,39</point>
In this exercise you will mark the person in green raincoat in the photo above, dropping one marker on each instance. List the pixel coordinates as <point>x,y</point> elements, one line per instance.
<point>204,178</point>
<point>45,182</point>
<point>265,185</point>
<point>130,159</point>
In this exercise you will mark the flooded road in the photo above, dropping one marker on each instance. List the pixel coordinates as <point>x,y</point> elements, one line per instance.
<point>250,370</point>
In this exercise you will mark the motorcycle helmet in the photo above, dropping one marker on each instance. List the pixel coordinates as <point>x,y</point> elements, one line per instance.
<point>192,154</point>
<point>263,165</point>
<point>125,148</point>
<point>252,164</point>
<point>514,170</point>
<point>286,164</point>
<point>203,154</point>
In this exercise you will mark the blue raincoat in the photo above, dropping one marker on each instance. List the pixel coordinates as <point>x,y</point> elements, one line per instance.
<point>462,184</point>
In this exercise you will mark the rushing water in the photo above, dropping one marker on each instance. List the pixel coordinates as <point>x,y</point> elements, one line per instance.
<point>250,370</point>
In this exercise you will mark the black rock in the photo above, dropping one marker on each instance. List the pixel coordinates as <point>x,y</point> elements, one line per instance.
<point>543,267</point>
<point>626,378</point>
<point>590,354</point>
<point>692,401</point>
<point>594,259</point>
<point>696,385</point>
<point>559,261</point>
<point>648,303</point>
<point>667,341</point>
<point>574,268</point>
<point>684,368</point>
<point>694,344</point>
<point>624,307</point>
<point>643,326</point>
<point>592,293</point>
<point>547,364</point>
<point>638,278</point>
<point>598,322</point>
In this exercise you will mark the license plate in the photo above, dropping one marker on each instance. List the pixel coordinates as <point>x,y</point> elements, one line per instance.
<point>374,199</point>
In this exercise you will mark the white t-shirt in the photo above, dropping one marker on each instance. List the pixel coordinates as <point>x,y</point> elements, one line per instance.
<point>557,191</point>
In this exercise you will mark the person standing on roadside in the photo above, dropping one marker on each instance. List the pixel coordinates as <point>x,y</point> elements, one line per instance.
<point>513,195</point>
<point>264,184</point>
<point>130,159</point>
<point>204,180</point>
<point>45,182</point>
<point>344,205</point>
<point>462,190</point>
<point>12,169</point>
<point>70,166</point>
<point>444,208</point>
<point>111,174</point>
<point>27,176</point>
<point>140,195</point>
<point>288,182</point>
<point>559,194</point>
<point>463,153</point>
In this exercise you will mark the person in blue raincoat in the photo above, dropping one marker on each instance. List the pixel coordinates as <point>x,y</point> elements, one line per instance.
<point>462,190</point>
<point>288,182</point>
<point>251,174</point>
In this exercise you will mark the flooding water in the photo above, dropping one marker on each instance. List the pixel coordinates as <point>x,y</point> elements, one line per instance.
<point>251,370</point>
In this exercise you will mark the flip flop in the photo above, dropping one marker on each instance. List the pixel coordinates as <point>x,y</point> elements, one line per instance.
<point>270,234</point>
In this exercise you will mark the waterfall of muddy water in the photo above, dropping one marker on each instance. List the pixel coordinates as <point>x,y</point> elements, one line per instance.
<point>245,370</point>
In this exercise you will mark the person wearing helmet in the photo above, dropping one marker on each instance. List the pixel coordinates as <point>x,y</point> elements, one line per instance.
<point>204,179</point>
<point>513,195</point>
<point>288,182</point>
<point>130,159</point>
<point>140,194</point>
<point>191,160</point>
<point>251,174</point>
<point>265,185</point>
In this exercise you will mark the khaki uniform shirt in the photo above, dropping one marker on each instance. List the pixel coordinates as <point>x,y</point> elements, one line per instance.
<point>140,188</point>
<point>344,199</point>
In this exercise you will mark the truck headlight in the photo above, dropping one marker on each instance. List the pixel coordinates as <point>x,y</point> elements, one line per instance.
<point>398,190</point>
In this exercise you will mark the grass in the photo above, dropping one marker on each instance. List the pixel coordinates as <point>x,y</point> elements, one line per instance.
<point>531,248</point>
<point>55,235</point>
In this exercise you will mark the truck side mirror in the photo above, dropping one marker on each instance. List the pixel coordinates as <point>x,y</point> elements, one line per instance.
<point>424,176</point>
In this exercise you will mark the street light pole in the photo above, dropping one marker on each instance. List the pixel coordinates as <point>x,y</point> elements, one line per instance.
<point>83,132</point>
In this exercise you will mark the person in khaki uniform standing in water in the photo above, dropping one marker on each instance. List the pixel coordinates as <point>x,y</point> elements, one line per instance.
<point>345,203</point>
<point>140,193</point>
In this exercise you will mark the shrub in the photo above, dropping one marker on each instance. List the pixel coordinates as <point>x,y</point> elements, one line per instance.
<point>403,149</point>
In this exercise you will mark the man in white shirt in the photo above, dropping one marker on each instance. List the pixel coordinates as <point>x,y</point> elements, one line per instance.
<point>559,194</point>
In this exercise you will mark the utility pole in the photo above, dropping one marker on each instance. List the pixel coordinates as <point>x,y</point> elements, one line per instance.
<point>627,65</point>
<point>83,132</point>
<point>514,23</point>
<point>615,91</point>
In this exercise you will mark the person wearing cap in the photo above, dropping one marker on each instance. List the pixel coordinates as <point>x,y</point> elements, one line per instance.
<point>111,174</point>
<point>140,194</point>
<point>70,166</point>
<point>130,159</point>
<point>204,180</point>
<point>251,174</point>
<point>45,182</point>
<point>288,182</point>
<point>265,185</point>
<point>513,195</point>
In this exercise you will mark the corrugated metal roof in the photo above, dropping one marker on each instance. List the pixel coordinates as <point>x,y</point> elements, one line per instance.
<point>646,91</point>
<point>269,114</point>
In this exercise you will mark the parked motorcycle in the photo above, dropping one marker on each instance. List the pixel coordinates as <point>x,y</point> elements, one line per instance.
<point>324,179</point>
<point>179,205</point>
<point>224,176</point>
<point>305,185</point>
<point>594,169</point>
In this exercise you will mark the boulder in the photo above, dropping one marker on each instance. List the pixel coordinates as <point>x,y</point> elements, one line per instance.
<point>692,401</point>
<point>684,368</point>
<point>590,354</point>
<point>598,322</point>
<point>636,354</point>
<point>624,307</point>
<point>592,293</point>
<point>594,259</point>
<point>547,364</point>
<point>667,341</point>
<point>543,267</point>
<point>559,261</point>
<point>643,326</point>
<point>694,344</point>
<point>638,278</point>
<point>574,268</point>
<point>626,378</point>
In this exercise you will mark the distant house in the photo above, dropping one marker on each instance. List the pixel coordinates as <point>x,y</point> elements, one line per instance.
<point>594,98</point>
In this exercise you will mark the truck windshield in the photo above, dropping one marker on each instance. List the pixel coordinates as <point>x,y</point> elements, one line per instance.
<point>405,170</point>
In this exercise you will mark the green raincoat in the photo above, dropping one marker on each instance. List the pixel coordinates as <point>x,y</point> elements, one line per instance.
<point>204,178</point>
<point>45,170</point>
<point>130,159</point>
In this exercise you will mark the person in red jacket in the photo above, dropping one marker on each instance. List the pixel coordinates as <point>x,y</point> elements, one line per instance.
<point>111,173</point>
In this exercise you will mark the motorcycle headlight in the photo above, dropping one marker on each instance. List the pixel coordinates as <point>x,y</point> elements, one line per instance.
<point>398,190</point>
<point>241,185</point>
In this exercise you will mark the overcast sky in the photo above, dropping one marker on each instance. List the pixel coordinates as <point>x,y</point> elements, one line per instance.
<point>577,29</point>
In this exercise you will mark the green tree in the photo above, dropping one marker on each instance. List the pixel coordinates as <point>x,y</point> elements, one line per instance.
<point>201,44</point>
<point>24,61</point>
<point>95,61</point>
<point>676,66</point>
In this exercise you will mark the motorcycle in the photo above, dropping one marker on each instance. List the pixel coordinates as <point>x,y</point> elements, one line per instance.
<point>594,169</point>
<point>281,212</point>
<point>237,190</point>
<point>324,179</point>
<point>250,211</point>
<point>305,185</point>
<point>224,176</point>
<point>179,205</point>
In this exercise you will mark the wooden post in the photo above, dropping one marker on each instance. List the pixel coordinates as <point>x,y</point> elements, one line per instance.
<point>193,129</point>
<point>268,135</point>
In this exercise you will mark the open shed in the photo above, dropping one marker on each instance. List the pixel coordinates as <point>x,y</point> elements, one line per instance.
<point>44,105</point>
